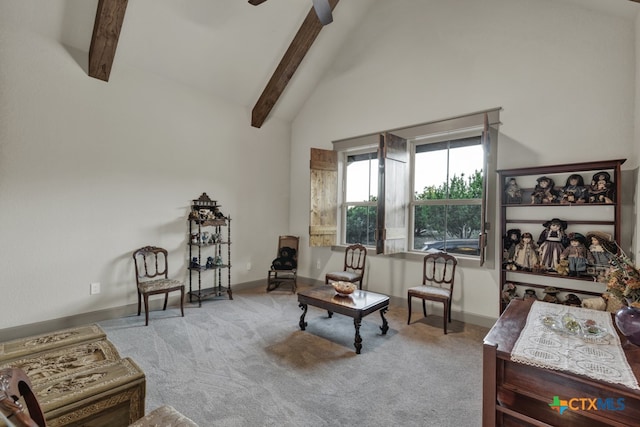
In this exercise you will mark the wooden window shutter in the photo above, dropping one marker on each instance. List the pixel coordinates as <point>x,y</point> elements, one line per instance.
<point>323,217</point>
<point>391,230</point>
<point>486,149</point>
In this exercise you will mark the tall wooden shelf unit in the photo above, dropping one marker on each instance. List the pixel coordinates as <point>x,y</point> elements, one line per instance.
<point>581,218</point>
<point>209,251</point>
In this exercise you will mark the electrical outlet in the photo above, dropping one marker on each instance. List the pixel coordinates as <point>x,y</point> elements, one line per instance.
<point>318,265</point>
<point>248,266</point>
<point>95,288</point>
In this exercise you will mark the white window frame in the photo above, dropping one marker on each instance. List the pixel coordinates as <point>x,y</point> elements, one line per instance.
<point>488,121</point>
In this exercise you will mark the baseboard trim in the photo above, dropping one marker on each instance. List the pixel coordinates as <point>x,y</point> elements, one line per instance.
<point>156,304</point>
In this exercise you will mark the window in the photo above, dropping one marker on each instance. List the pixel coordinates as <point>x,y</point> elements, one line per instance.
<point>414,189</point>
<point>361,192</point>
<point>447,195</point>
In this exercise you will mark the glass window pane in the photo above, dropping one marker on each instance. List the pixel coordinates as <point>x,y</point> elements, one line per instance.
<point>362,178</point>
<point>361,225</point>
<point>430,225</point>
<point>431,174</point>
<point>453,229</point>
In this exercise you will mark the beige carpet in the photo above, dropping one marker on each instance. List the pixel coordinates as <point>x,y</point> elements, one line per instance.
<point>246,362</point>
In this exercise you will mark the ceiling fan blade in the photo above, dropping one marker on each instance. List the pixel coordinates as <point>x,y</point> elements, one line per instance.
<point>323,10</point>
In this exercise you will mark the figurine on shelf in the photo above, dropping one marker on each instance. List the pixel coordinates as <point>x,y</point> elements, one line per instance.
<point>512,192</point>
<point>550,295</point>
<point>509,292</point>
<point>543,192</point>
<point>602,248</point>
<point>218,261</point>
<point>195,239</point>
<point>573,300</point>
<point>602,189</point>
<point>577,254</point>
<point>209,262</point>
<point>204,237</point>
<point>194,262</point>
<point>552,242</point>
<point>525,255</point>
<point>530,294</point>
<point>574,190</point>
<point>509,242</point>
<point>563,267</point>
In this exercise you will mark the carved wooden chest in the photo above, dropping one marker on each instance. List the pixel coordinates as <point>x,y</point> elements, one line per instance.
<point>79,377</point>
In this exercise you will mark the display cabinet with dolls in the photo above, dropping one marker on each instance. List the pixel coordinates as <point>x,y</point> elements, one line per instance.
<point>579,206</point>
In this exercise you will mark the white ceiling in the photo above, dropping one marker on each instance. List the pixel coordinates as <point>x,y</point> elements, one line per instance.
<point>228,48</point>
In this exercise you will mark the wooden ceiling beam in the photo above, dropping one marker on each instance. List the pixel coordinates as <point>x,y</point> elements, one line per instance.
<point>104,41</point>
<point>289,63</point>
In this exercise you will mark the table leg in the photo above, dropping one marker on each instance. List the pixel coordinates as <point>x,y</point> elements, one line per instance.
<point>358,340</point>
<point>385,325</point>
<point>330,314</point>
<point>302,323</point>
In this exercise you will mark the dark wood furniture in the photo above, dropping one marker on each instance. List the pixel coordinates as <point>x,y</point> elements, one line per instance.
<point>284,269</point>
<point>516,394</point>
<point>209,235</point>
<point>355,257</point>
<point>152,278</point>
<point>15,387</point>
<point>359,304</point>
<point>438,275</point>
<point>520,213</point>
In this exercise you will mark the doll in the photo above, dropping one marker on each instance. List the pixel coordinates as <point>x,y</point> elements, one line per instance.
<point>602,249</point>
<point>601,189</point>
<point>509,242</point>
<point>552,242</point>
<point>544,192</point>
<point>525,255</point>
<point>577,254</point>
<point>512,192</point>
<point>574,190</point>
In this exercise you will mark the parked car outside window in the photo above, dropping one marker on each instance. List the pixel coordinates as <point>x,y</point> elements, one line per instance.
<point>453,246</point>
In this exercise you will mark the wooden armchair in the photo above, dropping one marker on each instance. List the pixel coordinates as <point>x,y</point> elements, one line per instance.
<point>284,269</point>
<point>355,257</point>
<point>438,274</point>
<point>152,278</point>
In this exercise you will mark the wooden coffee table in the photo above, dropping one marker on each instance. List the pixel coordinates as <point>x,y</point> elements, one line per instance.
<point>357,305</point>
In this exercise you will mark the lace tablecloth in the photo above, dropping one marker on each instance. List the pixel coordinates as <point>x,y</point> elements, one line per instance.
<point>600,357</point>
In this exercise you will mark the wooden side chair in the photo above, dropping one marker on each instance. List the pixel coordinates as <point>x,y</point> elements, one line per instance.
<point>355,257</point>
<point>284,269</point>
<point>438,274</point>
<point>152,278</point>
<point>14,384</point>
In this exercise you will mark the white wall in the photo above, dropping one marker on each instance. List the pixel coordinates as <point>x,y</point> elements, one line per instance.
<point>563,75</point>
<point>90,171</point>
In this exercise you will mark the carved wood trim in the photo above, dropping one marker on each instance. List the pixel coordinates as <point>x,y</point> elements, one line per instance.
<point>104,41</point>
<point>292,58</point>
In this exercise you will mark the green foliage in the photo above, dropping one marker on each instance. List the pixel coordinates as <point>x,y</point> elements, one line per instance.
<point>453,221</point>
<point>435,222</point>
<point>361,225</point>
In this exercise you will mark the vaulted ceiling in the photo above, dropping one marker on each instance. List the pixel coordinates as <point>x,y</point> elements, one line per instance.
<point>232,40</point>
<point>228,48</point>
